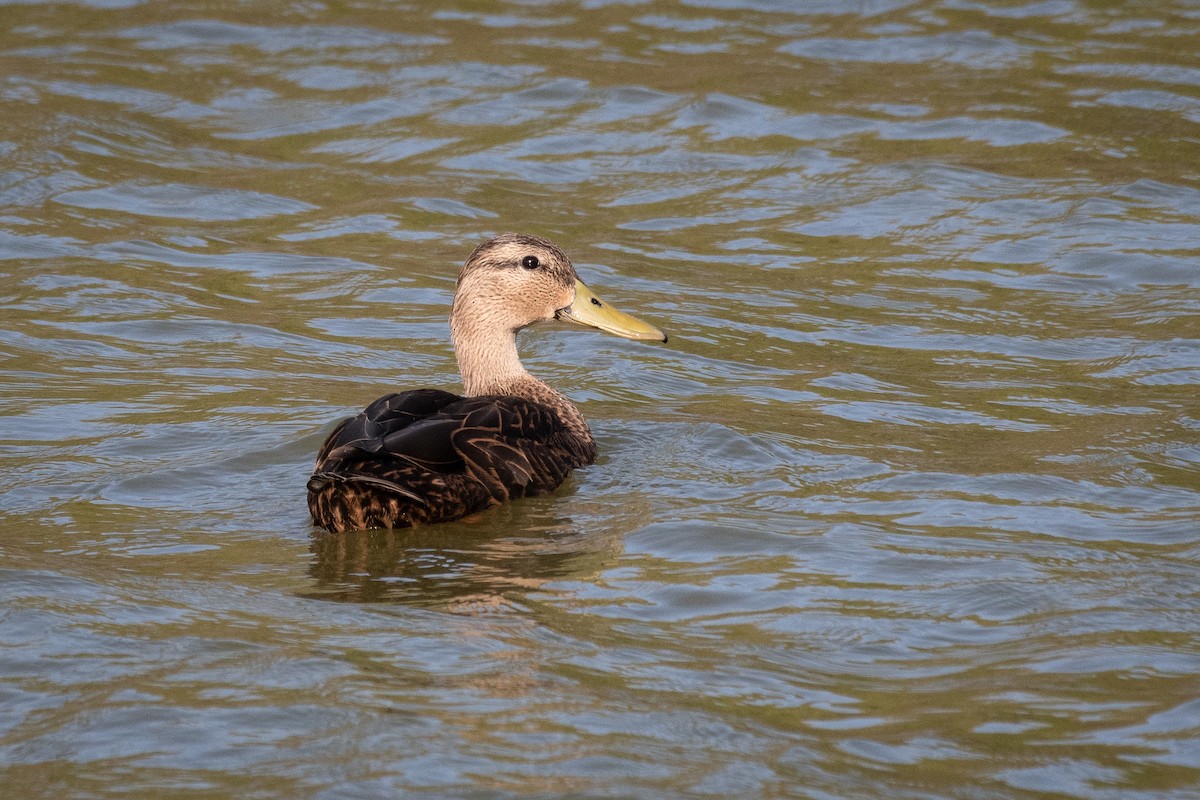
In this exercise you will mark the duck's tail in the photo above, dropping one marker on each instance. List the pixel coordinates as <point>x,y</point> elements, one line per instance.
<point>340,503</point>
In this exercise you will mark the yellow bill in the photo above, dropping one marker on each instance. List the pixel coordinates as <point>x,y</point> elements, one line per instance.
<point>593,312</point>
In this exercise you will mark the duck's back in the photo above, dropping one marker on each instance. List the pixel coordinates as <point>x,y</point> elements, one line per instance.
<point>431,456</point>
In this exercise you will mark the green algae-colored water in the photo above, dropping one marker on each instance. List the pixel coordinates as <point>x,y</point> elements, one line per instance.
<point>909,506</point>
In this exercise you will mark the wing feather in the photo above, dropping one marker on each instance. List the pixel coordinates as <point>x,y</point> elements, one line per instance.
<point>441,456</point>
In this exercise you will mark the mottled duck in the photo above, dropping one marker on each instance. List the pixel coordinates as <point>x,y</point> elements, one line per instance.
<point>426,455</point>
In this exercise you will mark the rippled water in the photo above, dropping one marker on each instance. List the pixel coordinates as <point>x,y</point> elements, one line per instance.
<point>907,508</point>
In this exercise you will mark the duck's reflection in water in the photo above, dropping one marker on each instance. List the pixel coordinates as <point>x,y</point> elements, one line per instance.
<point>466,567</point>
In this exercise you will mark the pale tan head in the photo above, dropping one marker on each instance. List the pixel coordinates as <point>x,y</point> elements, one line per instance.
<point>513,281</point>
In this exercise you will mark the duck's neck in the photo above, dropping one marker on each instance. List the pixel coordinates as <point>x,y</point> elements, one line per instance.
<point>488,361</point>
<point>487,356</point>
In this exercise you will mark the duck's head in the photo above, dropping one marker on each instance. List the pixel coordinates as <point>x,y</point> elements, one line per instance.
<point>515,280</point>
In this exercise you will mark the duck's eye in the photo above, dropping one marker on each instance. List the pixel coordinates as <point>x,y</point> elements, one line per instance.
<point>530,262</point>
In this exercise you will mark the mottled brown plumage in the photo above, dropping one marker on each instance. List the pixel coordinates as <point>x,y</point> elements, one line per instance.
<point>428,456</point>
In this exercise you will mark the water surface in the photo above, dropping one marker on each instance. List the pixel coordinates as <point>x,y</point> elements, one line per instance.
<point>907,508</point>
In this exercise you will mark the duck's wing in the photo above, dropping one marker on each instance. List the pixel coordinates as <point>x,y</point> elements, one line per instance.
<point>389,414</point>
<point>419,441</point>
<point>516,447</point>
